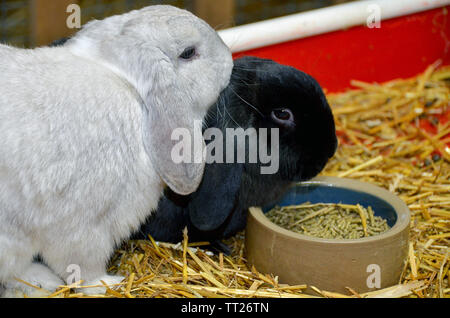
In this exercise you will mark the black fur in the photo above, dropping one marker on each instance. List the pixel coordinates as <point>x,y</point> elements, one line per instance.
<point>59,42</point>
<point>218,209</point>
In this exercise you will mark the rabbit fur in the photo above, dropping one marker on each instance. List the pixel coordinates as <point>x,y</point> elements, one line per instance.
<point>218,209</point>
<point>86,138</point>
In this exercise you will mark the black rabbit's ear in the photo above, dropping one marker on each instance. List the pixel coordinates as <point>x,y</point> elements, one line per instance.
<point>216,197</point>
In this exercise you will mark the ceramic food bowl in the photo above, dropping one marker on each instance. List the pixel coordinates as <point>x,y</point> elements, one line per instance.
<point>363,264</point>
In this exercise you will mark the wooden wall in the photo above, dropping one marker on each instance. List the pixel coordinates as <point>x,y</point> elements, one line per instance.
<point>219,16</point>
<point>48,17</point>
<point>48,21</point>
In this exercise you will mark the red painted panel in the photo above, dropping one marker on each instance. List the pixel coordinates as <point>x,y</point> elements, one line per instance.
<point>402,47</point>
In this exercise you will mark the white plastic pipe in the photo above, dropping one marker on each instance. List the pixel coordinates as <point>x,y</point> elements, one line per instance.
<point>301,25</point>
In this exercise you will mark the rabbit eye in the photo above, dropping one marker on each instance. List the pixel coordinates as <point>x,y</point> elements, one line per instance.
<point>283,117</point>
<point>188,53</point>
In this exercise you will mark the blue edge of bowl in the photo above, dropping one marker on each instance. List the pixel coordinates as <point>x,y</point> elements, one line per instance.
<point>320,193</point>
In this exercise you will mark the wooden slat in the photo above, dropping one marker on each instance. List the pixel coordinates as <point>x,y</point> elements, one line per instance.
<point>219,14</point>
<point>48,21</point>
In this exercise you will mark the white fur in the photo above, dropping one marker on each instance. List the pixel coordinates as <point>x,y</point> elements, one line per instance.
<point>97,285</point>
<point>84,148</point>
<point>37,275</point>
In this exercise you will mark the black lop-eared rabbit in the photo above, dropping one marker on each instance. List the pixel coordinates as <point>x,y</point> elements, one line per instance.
<point>261,94</point>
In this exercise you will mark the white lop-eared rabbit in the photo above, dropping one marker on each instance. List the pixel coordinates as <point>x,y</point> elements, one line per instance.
<point>85,139</point>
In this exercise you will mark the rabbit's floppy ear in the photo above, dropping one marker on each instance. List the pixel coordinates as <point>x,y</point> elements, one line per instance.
<point>162,120</point>
<point>170,114</point>
<point>217,195</point>
<point>168,105</point>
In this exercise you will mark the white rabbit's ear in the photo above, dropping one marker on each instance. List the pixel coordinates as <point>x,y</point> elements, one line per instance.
<point>161,130</point>
<point>169,105</point>
<point>172,130</point>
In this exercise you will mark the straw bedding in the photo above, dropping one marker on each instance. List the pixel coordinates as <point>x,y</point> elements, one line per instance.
<point>395,135</point>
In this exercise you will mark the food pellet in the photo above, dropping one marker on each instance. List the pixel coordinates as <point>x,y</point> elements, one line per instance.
<point>329,220</point>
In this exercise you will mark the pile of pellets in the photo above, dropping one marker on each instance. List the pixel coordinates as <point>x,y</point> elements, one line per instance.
<point>329,221</point>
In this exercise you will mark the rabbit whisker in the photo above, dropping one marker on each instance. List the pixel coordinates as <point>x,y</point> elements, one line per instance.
<point>250,70</point>
<point>231,117</point>
<point>220,101</point>
<point>246,102</point>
